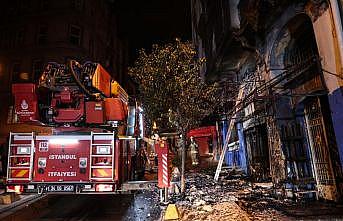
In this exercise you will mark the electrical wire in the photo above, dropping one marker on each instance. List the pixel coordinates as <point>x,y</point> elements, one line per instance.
<point>269,85</point>
<point>334,74</point>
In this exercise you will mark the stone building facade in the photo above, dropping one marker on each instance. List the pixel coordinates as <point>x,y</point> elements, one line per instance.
<point>287,58</point>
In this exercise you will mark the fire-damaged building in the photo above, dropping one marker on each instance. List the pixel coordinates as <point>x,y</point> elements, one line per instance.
<point>280,64</point>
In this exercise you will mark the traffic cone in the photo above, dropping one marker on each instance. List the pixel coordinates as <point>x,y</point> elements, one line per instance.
<point>172,213</point>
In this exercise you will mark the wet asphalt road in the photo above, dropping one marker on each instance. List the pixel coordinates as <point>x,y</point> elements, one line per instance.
<point>135,207</point>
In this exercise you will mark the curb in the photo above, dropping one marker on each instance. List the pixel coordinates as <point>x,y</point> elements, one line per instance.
<point>6,210</point>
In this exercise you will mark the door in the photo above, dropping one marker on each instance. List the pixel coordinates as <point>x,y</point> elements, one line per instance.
<point>257,145</point>
<point>320,150</point>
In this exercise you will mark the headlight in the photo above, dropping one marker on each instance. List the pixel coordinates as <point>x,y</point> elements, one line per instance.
<point>103,149</point>
<point>23,150</point>
<point>83,162</point>
<point>41,162</point>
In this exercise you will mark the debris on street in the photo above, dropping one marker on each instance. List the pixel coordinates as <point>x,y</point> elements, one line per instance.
<point>225,211</point>
<point>234,197</point>
<point>140,208</point>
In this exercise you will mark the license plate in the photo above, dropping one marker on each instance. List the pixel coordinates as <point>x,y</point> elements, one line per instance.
<point>60,188</point>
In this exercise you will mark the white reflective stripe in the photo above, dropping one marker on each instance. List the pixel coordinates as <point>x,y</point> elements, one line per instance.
<point>165,179</point>
<point>165,169</point>
<point>78,137</point>
<point>19,137</point>
<point>102,137</point>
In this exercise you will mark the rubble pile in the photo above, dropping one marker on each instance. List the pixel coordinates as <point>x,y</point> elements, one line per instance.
<point>260,205</point>
<point>206,199</point>
<point>201,188</point>
<point>226,211</point>
<point>231,198</point>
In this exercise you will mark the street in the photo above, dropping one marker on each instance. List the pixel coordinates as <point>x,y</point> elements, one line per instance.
<point>232,198</point>
<point>138,207</point>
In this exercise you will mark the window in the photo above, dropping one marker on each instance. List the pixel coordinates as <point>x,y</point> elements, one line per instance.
<point>91,48</point>
<point>77,4</point>
<point>75,35</point>
<point>17,76</point>
<point>42,36</point>
<point>20,37</point>
<point>37,68</point>
<point>2,38</point>
<point>12,39</point>
<point>5,39</point>
<point>44,4</point>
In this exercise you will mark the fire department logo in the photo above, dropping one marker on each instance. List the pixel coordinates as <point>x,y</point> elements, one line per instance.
<point>24,105</point>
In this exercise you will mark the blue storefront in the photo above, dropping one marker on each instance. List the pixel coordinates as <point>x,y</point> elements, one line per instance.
<point>235,155</point>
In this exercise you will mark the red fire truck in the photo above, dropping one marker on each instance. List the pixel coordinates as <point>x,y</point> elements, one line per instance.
<point>90,139</point>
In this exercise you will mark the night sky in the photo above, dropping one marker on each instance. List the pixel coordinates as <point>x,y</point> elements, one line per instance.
<point>148,22</point>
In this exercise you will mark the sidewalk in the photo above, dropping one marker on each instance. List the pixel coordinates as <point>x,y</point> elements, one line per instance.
<point>22,200</point>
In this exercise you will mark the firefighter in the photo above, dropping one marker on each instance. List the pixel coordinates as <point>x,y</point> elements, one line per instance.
<point>141,161</point>
<point>194,152</point>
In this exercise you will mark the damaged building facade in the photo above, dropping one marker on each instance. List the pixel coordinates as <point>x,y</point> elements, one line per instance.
<point>280,64</point>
